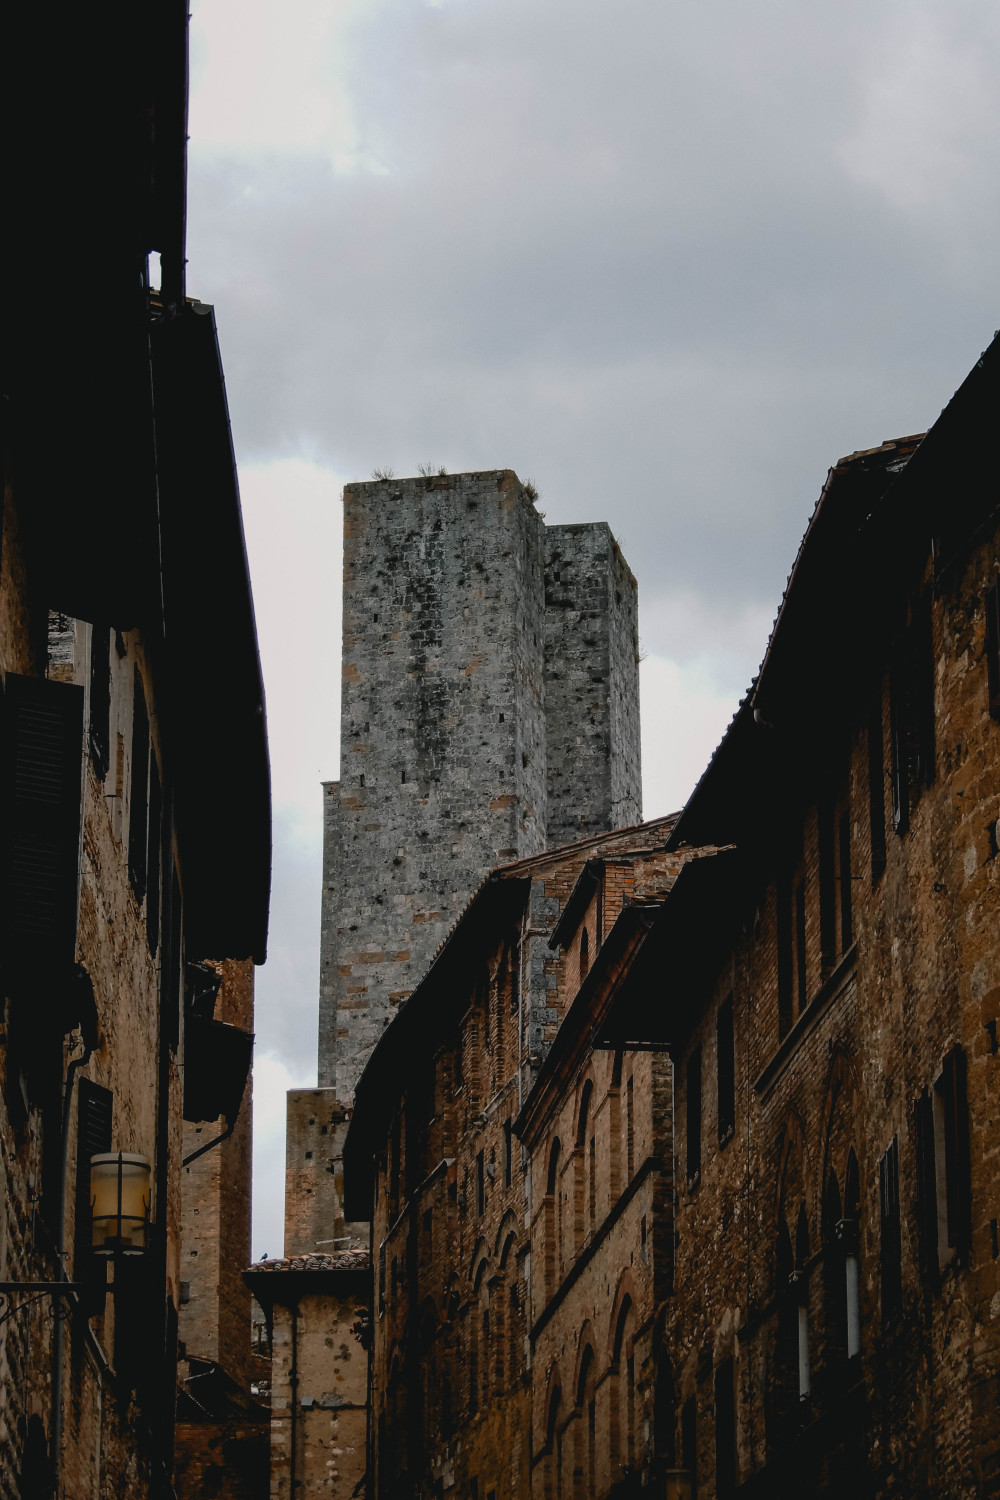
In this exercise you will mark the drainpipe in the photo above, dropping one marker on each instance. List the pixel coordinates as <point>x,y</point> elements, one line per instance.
<point>58,1311</point>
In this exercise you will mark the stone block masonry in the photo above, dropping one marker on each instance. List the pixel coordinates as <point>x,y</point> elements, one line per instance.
<point>489,710</point>
<point>591,684</point>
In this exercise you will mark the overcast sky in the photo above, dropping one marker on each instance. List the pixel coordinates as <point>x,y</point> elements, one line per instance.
<point>668,260</point>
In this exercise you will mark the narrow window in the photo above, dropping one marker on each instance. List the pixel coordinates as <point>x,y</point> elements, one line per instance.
<point>802,972</point>
<point>689,1437</point>
<point>927,1206</point>
<point>725,1429</point>
<point>100,700</point>
<point>508,1153</point>
<point>846,895</point>
<point>629,1130</point>
<point>950,1089</point>
<point>891,1248</point>
<point>993,647</point>
<point>876,784</point>
<point>480,1183</point>
<point>784,944</point>
<point>139,805</point>
<point>693,1116</point>
<point>827,888</point>
<point>584,954</point>
<point>726,1069</point>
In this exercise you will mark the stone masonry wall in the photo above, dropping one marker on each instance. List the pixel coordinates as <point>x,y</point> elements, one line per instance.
<point>490,708</point>
<point>442,735</point>
<point>591,684</point>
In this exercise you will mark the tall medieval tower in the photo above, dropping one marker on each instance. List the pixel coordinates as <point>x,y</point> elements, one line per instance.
<point>490,709</point>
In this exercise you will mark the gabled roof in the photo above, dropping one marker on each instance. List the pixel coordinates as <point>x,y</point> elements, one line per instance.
<point>880,513</point>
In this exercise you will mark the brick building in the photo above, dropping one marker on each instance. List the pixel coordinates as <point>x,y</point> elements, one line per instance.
<point>134,804</point>
<point>472,1258</point>
<point>829,994</point>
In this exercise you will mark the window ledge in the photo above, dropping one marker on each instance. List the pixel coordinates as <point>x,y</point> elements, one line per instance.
<point>829,991</point>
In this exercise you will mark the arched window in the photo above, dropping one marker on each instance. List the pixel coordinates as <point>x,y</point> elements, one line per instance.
<point>553,1446</point>
<point>623,1389</point>
<point>849,1233</point>
<point>551,1252</point>
<point>586,1450</point>
<point>579,1169</point>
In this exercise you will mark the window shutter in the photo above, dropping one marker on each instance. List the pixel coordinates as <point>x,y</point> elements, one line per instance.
<point>42,777</point>
<point>94,1117</point>
<point>952,1087</point>
<point>923,1130</point>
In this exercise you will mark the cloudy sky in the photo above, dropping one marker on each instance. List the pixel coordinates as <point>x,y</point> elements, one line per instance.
<point>670,259</point>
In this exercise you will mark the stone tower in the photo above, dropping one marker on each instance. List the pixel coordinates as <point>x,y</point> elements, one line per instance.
<point>490,709</point>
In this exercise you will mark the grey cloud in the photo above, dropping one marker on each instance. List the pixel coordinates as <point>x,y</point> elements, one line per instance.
<point>616,247</point>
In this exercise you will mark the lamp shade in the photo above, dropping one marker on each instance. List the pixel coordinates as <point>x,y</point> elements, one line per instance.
<point>678,1484</point>
<point>120,1196</point>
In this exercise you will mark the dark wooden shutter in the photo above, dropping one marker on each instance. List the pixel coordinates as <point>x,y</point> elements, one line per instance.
<point>993,647</point>
<point>139,803</point>
<point>42,796</point>
<point>927,1213</point>
<point>94,1119</point>
<point>725,1429</point>
<point>891,1247</point>
<point>952,1088</point>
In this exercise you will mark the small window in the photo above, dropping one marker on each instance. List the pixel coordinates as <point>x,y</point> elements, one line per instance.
<point>725,1429</point>
<point>584,954</point>
<point>726,1069</point>
<point>693,1116</point>
<point>689,1437</point>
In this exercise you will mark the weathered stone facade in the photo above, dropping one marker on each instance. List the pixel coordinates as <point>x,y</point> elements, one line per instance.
<point>490,664</point>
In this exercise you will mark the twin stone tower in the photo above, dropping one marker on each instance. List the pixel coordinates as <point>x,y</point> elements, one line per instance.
<point>490,710</point>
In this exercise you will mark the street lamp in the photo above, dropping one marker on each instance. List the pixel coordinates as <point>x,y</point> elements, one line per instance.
<point>678,1484</point>
<point>120,1197</point>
